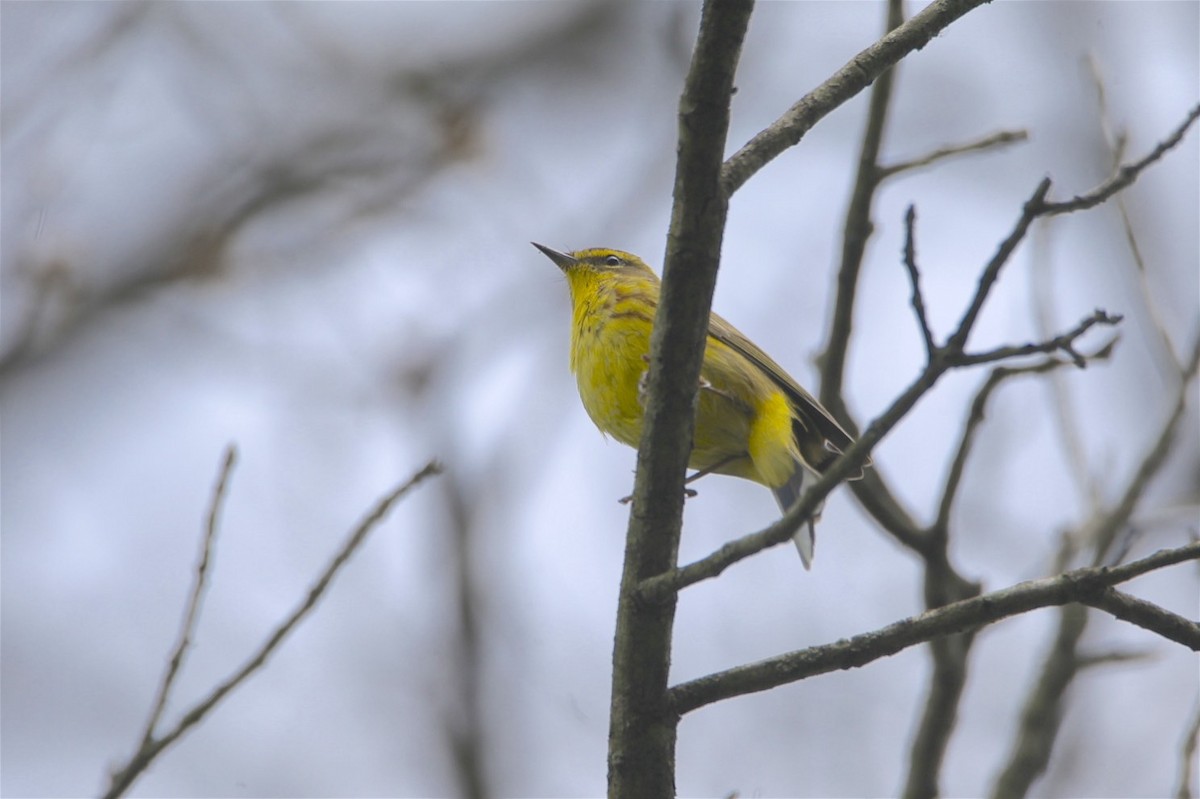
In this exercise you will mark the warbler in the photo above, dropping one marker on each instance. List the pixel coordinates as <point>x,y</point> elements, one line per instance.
<point>752,419</point>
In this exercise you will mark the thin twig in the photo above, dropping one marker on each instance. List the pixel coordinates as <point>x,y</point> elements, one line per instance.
<point>124,777</point>
<point>975,418</point>
<point>1116,145</point>
<point>1091,660</point>
<point>464,729</point>
<point>1124,176</point>
<point>991,272</point>
<point>1000,139</point>
<point>664,583</point>
<point>1064,342</point>
<point>914,277</point>
<point>969,614</point>
<point>1187,756</point>
<point>188,627</point>
<point>1119,515</point>
<point>1079,467</point>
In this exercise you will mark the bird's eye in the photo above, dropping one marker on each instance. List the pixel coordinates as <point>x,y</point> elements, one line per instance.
<point>612,260</point>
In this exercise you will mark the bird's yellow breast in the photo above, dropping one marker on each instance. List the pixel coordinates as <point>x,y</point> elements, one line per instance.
<point>743,419</point>
<point>610,340</point>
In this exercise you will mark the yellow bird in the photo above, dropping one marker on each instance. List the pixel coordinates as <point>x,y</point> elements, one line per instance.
<point>752,419</point>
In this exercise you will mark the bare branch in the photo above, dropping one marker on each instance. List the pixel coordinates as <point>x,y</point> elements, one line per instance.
<point>872,491</point>
<point>123,778</point>
<point>968,614</point>
<point>1042,712</point>
<point>188,627</point>
<point>1124,177</point>
<point>995,140</point>
<point>666,584</point>
<point>1187,756</point>
<point>951,354</point>
<point>1066,421</point>
<point>1118,517</point>
<point>464,730</point>
<point>1108,657</point>
<point>848,81</point>
<point>914,277</point>
<point>1064,342</point>
<point>1147,615</point>
<point>641,743</point>
<point>939,715</point>
<point>1116,143</point>
<point>992,271</point>
<point>855,233</point>
<point>976,416</point>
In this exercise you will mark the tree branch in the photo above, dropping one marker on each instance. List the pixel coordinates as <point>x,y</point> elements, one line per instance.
<point>976,417</point>
<point>856,231</point>
<point>914,278</point>
<point>991,272</point>
<point>848,81</point>
<point>1187,756</point>
<point>191,614</point>
<point>1000,139</point>
<point>1147,615</point>
<point>641,754</point>
<point>122,778</point>
<point>968,614</point>
<point>1124,176</point>
<point>1064,342</point>
<point>1042,711</point>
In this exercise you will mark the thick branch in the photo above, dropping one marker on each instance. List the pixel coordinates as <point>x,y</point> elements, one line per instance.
<point>969,614</point>
<point>641,754</point>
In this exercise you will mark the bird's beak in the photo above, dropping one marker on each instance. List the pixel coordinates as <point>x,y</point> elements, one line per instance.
<point>561,259</point>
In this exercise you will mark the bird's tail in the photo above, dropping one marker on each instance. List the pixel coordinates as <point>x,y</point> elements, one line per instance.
<point>787,495</point>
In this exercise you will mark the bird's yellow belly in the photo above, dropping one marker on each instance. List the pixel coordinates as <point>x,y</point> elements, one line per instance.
<point>609,362</point>
<point>743,428</point>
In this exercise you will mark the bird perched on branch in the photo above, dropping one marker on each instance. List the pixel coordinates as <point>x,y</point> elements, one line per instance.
<point>752,419</point>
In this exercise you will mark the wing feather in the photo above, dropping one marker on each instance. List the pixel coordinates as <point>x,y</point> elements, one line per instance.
<point>836,437</point>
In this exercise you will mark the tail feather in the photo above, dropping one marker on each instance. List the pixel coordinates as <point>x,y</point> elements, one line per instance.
<point>787,495</point>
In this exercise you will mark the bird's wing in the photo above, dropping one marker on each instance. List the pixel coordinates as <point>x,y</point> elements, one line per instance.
<point>838,439</point>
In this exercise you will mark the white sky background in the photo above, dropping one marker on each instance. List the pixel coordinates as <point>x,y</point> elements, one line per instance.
<point>371,176</point>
